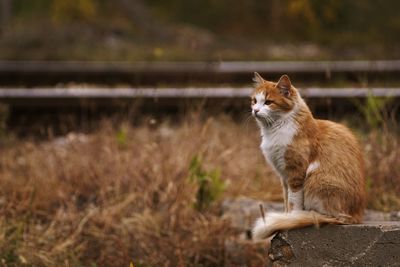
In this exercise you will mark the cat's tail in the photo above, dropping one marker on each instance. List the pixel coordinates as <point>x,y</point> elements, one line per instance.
<point>274,222</point>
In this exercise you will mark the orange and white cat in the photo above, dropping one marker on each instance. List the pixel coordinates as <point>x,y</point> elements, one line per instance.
<point>319,162</point>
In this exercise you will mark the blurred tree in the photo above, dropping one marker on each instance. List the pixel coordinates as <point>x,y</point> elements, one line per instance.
<point>27,9</point>
<point>141,17</point>
<point>5,13</point>
<point>69,10</point>
<point>276,16</point>
<point>332,23</point>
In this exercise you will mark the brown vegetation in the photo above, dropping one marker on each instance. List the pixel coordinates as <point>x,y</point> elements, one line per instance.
<point>382,150</point>
<point>131,194</point>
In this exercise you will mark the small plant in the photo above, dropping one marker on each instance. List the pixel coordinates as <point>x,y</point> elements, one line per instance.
<point>210,185</point>
<point>374,110</point>
<point>122,137</point>
<point>8,250</point>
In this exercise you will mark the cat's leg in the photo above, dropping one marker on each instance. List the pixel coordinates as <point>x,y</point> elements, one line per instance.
<point>285,195</point>
<point>295,170</point>
<point>295,198</point>
<point>323,195</point>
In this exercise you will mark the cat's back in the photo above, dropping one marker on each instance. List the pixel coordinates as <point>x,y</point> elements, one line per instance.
<point>338,146</point>
<point>335,133</point>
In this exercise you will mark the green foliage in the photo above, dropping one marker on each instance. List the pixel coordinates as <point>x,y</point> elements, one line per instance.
<point>122,137</point>
<point>374,110</point>
<point>210,184</point>
<point>29,8</point>
<point>8,250</point>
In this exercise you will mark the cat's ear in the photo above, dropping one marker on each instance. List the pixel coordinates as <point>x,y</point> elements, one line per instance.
<point>257,79</point>
<point>284,85</point>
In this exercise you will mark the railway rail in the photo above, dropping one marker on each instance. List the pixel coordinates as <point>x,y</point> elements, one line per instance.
<point>38,95</point>
<point>39,73</point>
<point>48,107</point>
<point>220,92</point>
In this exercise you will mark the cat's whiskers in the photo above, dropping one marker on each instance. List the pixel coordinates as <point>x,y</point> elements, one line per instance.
<point>266,121</point>
<point>247,120</point>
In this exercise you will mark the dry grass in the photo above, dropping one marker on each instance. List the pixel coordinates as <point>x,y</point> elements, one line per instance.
<point>123,193</point>
<point>382,150</point>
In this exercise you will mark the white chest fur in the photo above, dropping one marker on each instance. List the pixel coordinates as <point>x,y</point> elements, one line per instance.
<point>275,141</point>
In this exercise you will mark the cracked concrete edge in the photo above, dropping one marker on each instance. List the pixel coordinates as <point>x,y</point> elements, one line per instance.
<point>374,244</point>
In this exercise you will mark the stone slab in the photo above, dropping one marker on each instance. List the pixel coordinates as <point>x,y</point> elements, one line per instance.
<point>371,244</point>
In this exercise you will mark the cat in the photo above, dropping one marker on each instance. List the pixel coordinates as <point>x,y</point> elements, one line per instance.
<point>319,162</point>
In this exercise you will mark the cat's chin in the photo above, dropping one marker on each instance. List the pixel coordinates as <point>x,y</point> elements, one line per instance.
<point>264,122</point>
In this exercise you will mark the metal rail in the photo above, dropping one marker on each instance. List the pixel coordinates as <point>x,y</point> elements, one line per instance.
<point>220,92</point>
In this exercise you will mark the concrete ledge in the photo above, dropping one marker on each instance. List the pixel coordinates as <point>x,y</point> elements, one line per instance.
<point>369,244</point>
<point>242,212</point>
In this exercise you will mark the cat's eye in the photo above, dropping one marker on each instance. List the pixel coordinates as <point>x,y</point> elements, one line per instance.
<point>268,102</point>
<point>253,101</point>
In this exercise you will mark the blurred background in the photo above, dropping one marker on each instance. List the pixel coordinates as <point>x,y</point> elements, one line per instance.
<point>125,126</point>
<point>142,30</point>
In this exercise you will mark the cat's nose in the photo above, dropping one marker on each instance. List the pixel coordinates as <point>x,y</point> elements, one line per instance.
<point>256,111</point>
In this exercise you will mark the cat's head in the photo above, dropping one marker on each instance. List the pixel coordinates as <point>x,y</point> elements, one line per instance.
<point>272,101</point>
